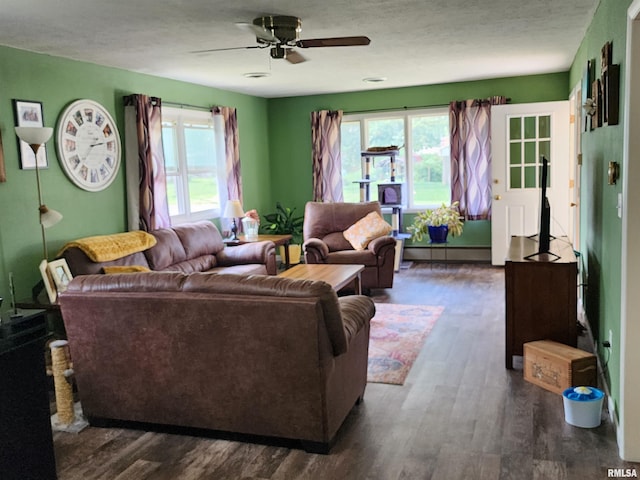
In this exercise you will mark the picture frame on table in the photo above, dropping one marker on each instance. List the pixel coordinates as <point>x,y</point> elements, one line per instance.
<point>29,114</point>
<point>60,274</point>
<point>48,282</point>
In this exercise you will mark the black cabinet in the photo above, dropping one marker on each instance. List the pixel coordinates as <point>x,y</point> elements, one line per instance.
<point>26,441</point>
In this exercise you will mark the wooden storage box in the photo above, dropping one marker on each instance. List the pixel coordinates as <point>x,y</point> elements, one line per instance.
<point>556,367</point>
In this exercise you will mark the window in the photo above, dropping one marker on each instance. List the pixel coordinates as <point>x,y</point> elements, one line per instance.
<point>529,139</point>
<point>189,143</point>
<point>424,133</point>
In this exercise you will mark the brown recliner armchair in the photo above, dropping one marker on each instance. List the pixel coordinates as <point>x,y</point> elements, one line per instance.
<point>325,243</point>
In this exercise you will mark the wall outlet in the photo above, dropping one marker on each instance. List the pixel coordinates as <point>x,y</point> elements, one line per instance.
<point>611,339</point>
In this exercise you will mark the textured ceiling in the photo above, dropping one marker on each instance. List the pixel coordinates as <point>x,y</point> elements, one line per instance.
<point>413,42</point>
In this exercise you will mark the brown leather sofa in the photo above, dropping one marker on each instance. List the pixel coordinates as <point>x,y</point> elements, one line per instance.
<point>325,243</point>
<point>194,247</point>
<point>257,355</point>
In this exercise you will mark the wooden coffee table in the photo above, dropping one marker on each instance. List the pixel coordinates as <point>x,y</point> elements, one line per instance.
<point>338,276</point>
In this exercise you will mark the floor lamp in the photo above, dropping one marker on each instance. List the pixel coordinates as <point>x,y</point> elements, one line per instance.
<point>35,137</point>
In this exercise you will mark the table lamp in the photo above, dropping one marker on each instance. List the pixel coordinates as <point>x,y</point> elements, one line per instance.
<point>233,210</point>
<point>35,137</point>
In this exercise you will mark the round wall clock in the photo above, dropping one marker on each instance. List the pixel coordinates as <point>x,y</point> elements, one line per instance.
<point>88,145</point>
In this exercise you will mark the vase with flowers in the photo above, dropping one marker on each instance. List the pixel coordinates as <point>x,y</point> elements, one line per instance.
<point>438,223</point>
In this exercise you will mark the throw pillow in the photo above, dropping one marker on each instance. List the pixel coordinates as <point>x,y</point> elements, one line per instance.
<point>366,229</point>
<point>125,269</point>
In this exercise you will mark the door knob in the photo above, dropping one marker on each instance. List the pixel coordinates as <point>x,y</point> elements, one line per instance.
<point>498,197</point>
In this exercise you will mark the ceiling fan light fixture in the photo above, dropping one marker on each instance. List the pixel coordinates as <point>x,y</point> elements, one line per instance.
<point>374,79</point>
<point>281,33</point>
<point>256,74</point>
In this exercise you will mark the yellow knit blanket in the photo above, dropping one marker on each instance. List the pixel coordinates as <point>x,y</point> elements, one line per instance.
<point>104,248</point>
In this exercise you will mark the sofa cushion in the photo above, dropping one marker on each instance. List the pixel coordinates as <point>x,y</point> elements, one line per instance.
<point>168,250</point>
<point>80,264</point>
<point>349,257</point>
<point>274,286</point>
<point>202,263</point>
<point>200,238</point>
<point>248,269</point>
<point>321,219</point>
<point>109,269</point>
<point>335,242</point>
<point>366,229</point>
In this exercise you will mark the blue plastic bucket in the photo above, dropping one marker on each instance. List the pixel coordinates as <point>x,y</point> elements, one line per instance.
<point>583,406</point>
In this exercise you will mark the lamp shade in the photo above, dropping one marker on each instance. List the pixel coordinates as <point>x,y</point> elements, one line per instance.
<point>34,135</point>
<point>48,217</point>
<point>233,209</point>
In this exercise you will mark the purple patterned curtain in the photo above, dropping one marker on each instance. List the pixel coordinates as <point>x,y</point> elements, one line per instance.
<point>327,163</point>
<point>229,118</point>
<point>470,129</point>
<point>146,180</point>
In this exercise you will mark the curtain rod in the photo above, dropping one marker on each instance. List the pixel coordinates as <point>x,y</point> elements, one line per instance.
<point>418,107</point>
<point>185,105</point>
<point>395,109</point>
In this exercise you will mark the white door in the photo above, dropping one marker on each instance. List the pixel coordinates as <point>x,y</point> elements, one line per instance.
<point>520,135</point>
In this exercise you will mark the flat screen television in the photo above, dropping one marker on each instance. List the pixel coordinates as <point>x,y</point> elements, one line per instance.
<point>544,235</point>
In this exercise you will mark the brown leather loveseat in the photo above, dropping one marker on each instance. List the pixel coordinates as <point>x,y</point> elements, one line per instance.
<point>256,355</point>
<point>193,247</point>
<point>324,242</point>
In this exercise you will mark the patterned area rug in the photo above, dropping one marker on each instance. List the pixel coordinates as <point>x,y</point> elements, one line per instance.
<point>397,335</point>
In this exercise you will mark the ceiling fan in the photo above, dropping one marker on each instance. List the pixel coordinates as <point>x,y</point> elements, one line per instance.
<point>281,34</point>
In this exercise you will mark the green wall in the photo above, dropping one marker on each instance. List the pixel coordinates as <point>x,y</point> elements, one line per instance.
<point>56,82</point>
<point>275,145</point>
<point>290,132</point>
<point>601,229</point>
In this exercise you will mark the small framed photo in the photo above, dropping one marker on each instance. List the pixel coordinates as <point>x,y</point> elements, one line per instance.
<point>59,271</point>
<point>48,282</point>
<point>29,114</point>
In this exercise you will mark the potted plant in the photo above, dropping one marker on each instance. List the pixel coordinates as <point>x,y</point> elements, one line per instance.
<point>438,223</point>
<point>281,222</point>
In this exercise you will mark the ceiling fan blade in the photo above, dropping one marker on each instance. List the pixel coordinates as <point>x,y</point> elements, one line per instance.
<point>224,49</point>
<point>294,57</point>
<point>260,32</point>
<point>333,42</point>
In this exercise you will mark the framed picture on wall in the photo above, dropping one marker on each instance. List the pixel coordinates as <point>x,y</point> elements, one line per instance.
<point>29,114</point>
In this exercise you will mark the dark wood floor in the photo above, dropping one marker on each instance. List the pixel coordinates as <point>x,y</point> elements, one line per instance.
<point>460,415</point>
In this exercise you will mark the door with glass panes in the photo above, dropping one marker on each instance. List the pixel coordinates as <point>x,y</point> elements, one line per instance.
<point>520,135</point>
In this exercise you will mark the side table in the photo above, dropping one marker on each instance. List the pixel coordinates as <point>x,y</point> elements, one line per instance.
<point>55,325</point>
<point>400,238</point>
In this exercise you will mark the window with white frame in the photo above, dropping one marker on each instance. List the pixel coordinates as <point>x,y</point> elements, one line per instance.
<point>191,163</point>
<point>423,133</point>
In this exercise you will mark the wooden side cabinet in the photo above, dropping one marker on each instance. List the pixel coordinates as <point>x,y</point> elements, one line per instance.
<point>541,295</point>
<point>26,441</point>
